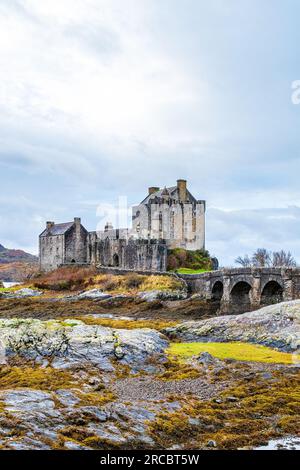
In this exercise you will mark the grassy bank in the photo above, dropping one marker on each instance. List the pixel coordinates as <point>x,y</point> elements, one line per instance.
<point>74,278</point>
<point>237,351</point>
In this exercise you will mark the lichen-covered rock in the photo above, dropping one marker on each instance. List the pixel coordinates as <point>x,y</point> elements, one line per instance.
<point>93,294</point>
<point>150,296</point>
<point>276,326</point>
<point>207,359</point>
<point>72,342</point>
<point>21,293</point>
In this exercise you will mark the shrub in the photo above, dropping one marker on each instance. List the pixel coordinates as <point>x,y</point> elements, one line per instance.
<point>180,258</point>
<point>65,278</point>
<point>134,281</point>
<point>172,263</point>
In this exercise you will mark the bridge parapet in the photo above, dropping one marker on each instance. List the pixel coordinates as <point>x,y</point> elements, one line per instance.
<point>246,288</point>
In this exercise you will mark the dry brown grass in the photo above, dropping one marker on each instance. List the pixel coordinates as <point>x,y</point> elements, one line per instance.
<point>79,278</point>
<point>66,278</point>
<point>132,283</point>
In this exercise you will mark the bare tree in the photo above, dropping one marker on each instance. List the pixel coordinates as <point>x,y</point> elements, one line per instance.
<point>244,261</point>
<point>283,259</point>
<point>262,258</point>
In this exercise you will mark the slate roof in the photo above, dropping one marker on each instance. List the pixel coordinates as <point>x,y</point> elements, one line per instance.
<point>173,191</point>
<point>159,193</point>
<point>57,229</point>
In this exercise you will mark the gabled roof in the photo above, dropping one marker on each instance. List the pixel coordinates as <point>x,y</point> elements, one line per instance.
<point>159,193</point>
<point>173,192</point>
<point>57,229</point>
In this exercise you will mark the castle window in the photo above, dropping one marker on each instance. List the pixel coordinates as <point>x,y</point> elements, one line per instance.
<point>160,222</point>
<point>172,224</point>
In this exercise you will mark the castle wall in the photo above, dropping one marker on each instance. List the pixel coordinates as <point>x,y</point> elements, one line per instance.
<point>168,218</point>
<point>182,225</point>
<point>123,253</point>
<point>52,249</point>
<point>68,247</point>
<point>76,241</point>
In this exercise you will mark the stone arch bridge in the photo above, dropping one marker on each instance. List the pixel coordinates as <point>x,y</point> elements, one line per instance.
<point>242,289</point>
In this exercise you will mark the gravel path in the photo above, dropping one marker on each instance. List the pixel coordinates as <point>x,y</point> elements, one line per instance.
<point>145,388</point>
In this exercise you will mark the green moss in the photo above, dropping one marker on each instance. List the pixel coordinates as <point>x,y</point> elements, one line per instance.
<point>236,350</point>
<point>177,370</point>
<point>127,324</point>
<point>35,377</point>
<point>85,437</point>
<point>96,442</point>
<point>191,271</point>
<point>99,398</point>
<point>264,409</point>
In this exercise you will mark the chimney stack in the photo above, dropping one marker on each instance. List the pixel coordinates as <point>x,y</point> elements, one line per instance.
<point>108,226</point>
<point>152,190</point>
<point>49,225</point>
<point>77,222</point>
<point>181,186</point>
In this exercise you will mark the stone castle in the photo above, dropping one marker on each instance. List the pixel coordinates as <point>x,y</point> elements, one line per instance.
<point>167,218</point>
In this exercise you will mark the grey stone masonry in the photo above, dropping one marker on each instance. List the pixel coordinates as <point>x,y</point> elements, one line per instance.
<point>167,218</point>
<point>246,288</point>
<point>62,243</point>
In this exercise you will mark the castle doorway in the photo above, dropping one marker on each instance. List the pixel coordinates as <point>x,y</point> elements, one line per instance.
<point>116,260</point>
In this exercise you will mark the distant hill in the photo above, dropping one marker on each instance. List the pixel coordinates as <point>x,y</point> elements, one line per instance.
<point>11,256</point>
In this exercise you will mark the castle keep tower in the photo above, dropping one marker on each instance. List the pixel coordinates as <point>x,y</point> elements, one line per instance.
<point>171,214</point>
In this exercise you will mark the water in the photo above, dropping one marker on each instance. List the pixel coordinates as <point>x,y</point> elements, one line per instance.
<point>10,284</point>
<point>286,443</point>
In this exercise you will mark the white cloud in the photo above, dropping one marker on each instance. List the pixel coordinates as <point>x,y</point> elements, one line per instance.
<point>234,233</point>
<point>100,98</point>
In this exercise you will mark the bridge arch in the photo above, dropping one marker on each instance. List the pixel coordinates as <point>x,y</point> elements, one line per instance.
<point>243,279</point>
<point>272,293</point>
<point>240,294</point>
<point>277,279</point>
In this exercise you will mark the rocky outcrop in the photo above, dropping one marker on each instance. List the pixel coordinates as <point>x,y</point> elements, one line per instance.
<point>73,343</point>
<point>276,326</point>
<point>39,420</point>
<point>150,296</point>
<point>93,294</point>
<point>21,293</point>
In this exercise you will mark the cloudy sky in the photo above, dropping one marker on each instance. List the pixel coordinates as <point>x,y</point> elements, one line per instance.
<point>103,98</point>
